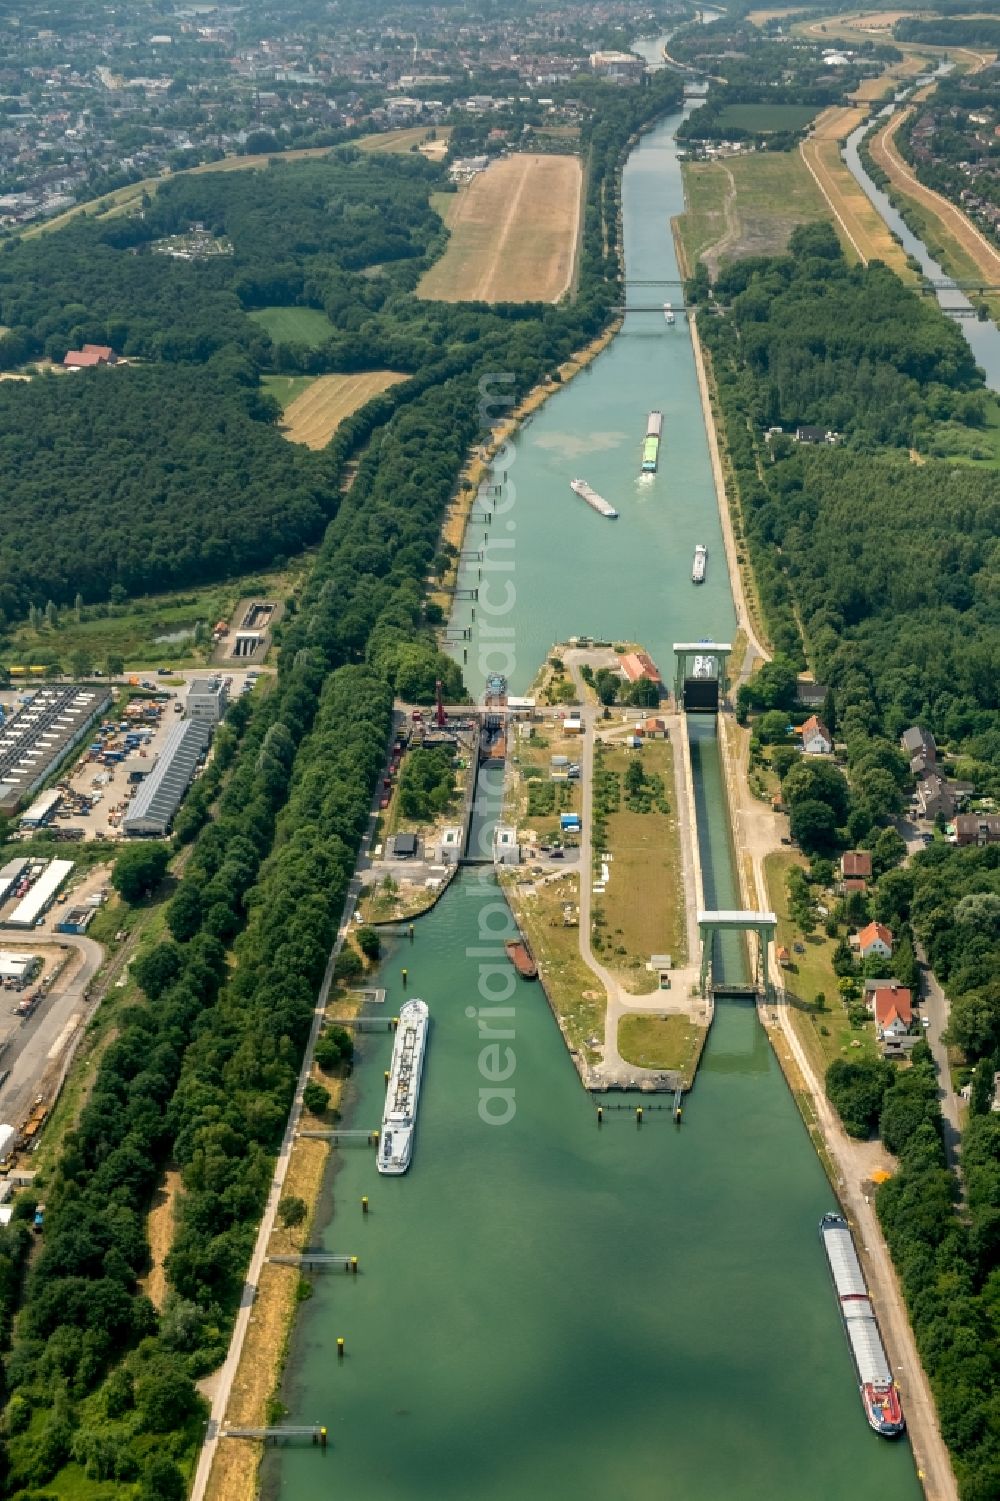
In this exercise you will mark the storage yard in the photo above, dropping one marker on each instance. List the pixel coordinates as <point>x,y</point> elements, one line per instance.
<point>35,739</point>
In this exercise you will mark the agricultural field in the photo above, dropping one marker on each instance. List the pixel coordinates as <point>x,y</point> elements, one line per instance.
<point>860,225</point>
<point>286,388</point>
<point>514,232</point>
<point>295,325</point>
<point>766,118</point>
<point>748,205</point>
<point>313,416</point>
<point>431,140</point>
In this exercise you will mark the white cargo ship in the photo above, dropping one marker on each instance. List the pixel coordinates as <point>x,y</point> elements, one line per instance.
<point>700,564</point>
<point>600,505</point>
<point>879,1394</point>
<point>403,1090</point>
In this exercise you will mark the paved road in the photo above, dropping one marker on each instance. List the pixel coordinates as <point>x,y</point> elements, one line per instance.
<point>28,1054</point>
<point>935,1008</point>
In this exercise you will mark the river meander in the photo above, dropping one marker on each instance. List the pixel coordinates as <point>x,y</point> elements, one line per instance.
<point>545,1308</point>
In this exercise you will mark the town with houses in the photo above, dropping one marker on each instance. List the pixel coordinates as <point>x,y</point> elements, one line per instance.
<point>87,107</point>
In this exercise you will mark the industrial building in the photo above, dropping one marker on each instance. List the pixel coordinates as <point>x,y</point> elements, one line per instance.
<point>35,740</point>
<point>206,700</point>
<point>152,809</point>
<point>37,901</point>
<point>18,966</point>
<point>42,810</point>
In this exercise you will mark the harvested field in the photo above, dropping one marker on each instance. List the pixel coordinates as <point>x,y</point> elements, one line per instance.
<point>861,226</point>
<point>513,233</point>
<point>314,417</point>
<point>952,223</point>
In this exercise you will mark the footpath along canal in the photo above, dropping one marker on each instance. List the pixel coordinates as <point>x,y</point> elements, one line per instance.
<point>547,1308</point>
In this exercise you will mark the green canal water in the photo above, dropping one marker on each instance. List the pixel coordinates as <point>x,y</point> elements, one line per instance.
<point>547,1308</point>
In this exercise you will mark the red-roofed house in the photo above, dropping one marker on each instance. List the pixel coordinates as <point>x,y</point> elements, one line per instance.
<point>856,869</point>
<point>893,1008</point>
<point>652,729</point>
<point>875,939</point>
<point>639,664</point>
<point>89,356</point>
<point>816,738</point>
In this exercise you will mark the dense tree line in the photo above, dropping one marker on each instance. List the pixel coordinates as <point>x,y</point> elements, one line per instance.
<point>954,31</point>
<point>876,567</point>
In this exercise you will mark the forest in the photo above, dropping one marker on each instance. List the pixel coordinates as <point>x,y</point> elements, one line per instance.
<point>202,1069</point>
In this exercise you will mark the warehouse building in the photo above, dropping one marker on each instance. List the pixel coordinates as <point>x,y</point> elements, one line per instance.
<point>152,809</point>
<point>38,900</point>
<point>34,741</point>
<point>42,810</point>
<point>206,699</point>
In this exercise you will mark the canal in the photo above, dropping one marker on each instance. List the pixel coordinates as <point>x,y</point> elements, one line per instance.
<point>983,338</point>
<point>548,1308</point>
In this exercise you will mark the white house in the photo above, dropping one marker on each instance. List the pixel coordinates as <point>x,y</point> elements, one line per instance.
<point>875,939</point>
<point>816,738</point>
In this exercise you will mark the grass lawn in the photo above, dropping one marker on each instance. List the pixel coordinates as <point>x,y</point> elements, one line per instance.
<point>286,388</point>
<point>704,219</point>
<point>535,805</point>
<point>825,1034</point>
<point>978,446</point>
<point>661,1042</point>
<point>295,325</point>
<point>135,628</point>
<point>576,994</point>
<point>767,117</point>
<point>643,906</point>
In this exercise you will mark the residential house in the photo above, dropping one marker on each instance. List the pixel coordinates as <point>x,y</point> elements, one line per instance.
<point>893,1009</point>
<point>638,664</point>
<point>875,939</point>
<point>920,749</point>
<point>936,795</point>
<point>652,729</point>
<point>856,869</point>
<point>809,434</point>
<point>977,828</point>
<point>90,356</point>
<point>816,738</point>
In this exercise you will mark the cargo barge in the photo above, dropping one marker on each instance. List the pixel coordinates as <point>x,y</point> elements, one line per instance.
<point>651,442</point>
<point>668,315</point>
<point>700,564</point>
<point>879,1395</point>
<point>403,1089</point>
<point>522,958</point>
<point>597,502</point>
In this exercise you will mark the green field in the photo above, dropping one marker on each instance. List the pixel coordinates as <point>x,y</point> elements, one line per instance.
<point>294,325</point>
<point>672,1042</point>
<point>765,118</point>
<point>131,629</point>
<point>285,388</point>
<point>768,193</point>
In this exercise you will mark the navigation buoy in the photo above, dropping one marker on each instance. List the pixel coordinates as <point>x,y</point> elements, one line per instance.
<point>364,1204</point>
<point>340,1348</point>
<point>600,1115</point>
<point>406,975</point>
<point>411,932</point>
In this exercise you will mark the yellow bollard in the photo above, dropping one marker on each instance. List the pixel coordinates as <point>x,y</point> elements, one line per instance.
<point>322,1438</point>
<point>385,1075</point>
<point>600,1115</point>
<point>340,1349</point>
<point>354,1265</point>
<point>638,1115</point>
<point>364,1204</point>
